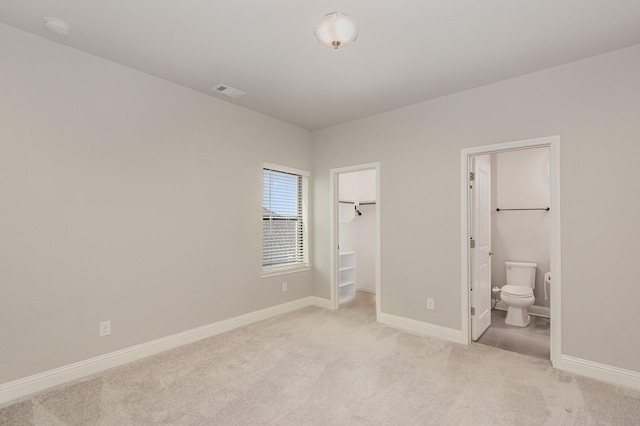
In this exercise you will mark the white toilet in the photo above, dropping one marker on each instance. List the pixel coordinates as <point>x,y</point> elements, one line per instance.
<point>518,292</point>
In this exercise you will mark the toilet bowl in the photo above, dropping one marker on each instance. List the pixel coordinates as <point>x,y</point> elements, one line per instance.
<point>518,299</point>
<point>517,294</point>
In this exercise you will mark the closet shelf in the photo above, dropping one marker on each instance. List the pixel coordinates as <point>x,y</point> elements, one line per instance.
<point>347,275</point>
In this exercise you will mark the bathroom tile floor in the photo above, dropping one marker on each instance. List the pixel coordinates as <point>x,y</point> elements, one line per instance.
<point>532,340</point>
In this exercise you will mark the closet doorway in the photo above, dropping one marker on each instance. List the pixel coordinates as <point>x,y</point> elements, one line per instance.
<point>355,233</point>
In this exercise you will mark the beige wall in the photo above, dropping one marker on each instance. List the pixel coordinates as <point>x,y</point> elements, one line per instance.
<point>130,199</point>
<point>593,106</point>
<point>124,198</point>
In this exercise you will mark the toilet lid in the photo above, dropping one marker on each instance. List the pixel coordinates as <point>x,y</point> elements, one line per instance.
<point>517,291</point>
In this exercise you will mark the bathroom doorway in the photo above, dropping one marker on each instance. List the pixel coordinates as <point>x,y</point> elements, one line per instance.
<point>521,231</point>
<point>355,233</point>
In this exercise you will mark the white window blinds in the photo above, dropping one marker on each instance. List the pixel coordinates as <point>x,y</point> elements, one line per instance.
<point>283,219</point>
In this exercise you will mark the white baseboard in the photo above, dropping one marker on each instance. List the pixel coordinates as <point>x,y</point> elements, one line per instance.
<point>25,386</point>
<point>28,385</point>
<point>424,328</point>
<point>320,302</point>
<point>604,372</point>
<point>539,311</point>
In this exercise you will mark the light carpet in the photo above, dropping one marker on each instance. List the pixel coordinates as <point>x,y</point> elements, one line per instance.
<point>320,367</point>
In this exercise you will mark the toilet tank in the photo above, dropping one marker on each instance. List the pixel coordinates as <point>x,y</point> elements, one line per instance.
<point>521,274</point>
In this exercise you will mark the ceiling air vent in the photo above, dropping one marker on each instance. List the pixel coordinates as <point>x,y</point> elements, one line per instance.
<point>228,90</point>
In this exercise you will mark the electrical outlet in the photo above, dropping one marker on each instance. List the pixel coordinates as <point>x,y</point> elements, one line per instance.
<point>105,328</point>
<point>430,304</point>
<point>284,287</point>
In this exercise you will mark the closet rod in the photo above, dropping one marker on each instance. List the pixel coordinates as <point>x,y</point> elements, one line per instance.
<point>539,208</point>
<point>362,203</point>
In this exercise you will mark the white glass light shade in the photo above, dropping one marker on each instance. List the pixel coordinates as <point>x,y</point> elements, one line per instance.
<point>336,30</point>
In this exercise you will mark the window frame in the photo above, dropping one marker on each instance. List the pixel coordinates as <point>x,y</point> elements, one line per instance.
<point>304,265</point>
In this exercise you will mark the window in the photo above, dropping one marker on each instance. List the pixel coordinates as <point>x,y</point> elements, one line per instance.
<point>284,219</point>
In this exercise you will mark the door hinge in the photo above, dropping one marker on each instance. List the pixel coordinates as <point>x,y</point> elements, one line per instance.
<point>472,243</point>
<point>473,311</point>
<point>472,176</point>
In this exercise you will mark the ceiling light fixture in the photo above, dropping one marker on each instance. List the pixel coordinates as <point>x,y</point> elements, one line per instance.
<point>336,30</point>
<point>56,25</point>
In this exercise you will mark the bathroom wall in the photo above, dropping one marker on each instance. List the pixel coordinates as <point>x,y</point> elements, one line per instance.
<point>357,233</point>
<point>520,179</point>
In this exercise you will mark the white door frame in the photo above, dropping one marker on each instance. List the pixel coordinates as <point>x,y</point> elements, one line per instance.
<point>334,224</point>
<point>553,142</point>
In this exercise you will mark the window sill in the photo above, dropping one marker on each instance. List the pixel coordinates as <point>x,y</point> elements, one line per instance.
<point>266,273</point>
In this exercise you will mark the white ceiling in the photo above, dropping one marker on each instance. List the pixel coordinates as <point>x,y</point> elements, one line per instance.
<point>408,51</point>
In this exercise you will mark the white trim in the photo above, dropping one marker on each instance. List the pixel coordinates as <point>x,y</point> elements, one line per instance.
<point>285,169</point>
<point>321,302</point>
<point>537,310</point>
<point>556,241</point>
<point>604,372</point>
<point>465,226</point>
<point>333,231</point>
<point>334,220</point>
<point>540,311</point>
<point>553,142</point>
<point>266,273</point>
<point>28,385</point>
<point>422,328</point>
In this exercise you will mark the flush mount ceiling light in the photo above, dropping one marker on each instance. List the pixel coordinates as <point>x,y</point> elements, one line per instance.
<point>336,30</point>
<point>56,25</point>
